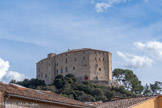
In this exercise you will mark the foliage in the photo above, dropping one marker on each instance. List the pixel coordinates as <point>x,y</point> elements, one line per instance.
<point>87,91</point>
<point>153,89</point>
<point>32,83</point>
<point>128,79</point>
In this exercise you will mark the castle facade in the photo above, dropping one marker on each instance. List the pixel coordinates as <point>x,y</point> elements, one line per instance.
<point>85,64</point>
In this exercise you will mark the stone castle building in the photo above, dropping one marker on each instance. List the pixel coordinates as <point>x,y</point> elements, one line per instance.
<point>85,64</point>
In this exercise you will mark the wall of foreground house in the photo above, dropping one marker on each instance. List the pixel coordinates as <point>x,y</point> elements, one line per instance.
<point>12,102</point>
<point>151,103</point>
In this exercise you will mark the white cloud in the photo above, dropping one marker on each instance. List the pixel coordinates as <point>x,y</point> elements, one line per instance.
<point>100,7</point>
<point>151,47</point>
<point>134,60</point>
<point>6,75</point>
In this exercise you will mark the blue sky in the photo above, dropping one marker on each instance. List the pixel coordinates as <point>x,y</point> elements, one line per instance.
<point>129,29</point>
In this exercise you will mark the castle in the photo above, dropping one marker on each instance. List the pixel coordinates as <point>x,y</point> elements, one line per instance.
<point>85,64</point>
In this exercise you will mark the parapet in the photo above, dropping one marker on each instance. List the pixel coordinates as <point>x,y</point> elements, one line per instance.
<point>51,55</point>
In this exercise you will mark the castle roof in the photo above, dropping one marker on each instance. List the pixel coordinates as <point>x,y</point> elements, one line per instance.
<point>83,49</point>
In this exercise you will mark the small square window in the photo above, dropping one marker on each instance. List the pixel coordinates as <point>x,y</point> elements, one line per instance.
<point>99,69</point>
<point>75,59</point>
<point>66,69</point>
<point>73,68</point>
<point>61,70</point>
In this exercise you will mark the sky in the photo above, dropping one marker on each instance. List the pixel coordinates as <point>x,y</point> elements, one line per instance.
<point>130,29</point>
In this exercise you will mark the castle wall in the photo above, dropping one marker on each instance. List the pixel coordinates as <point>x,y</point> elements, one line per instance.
<point>75,63</point>
<point>99,62</point>
<point>84,64</point>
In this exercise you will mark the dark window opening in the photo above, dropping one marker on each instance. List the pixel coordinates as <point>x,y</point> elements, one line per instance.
<point>46,75</point>
<point>66,69</point>
<point>95,52</point>
<point>99,69</point>
<point>66,61</point>
<point>73,68</point>
<point>75,59</point>
<point>99,59</point>
<point>85,65</point>
<point>103,59</point>
<point>61,70</point>
<point>57,71</point>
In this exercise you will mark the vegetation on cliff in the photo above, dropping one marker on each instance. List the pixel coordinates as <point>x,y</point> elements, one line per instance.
<point>86,91</point>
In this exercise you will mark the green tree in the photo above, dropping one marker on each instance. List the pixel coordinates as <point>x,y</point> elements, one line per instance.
<point>59,81</point>
<point>146,90</point>
<point>156,88</point>
<point>128,79</point>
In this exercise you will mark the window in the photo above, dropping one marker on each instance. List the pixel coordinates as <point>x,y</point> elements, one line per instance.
<point>46,75</point>
<point>85,65</point>
<point>75,59</point>
<point>99,59</point>
<point>73,68</point>
<point>66,54</point>
<point>61,70</point>
<point>83,52</point>
<point>103,59</point>
<point>66,60</point>
<point>57,64</point>
<point>99,52</point>
<point>99,69</point>
<point>66,69</point>
<point>83,58</point>
<point>57,71</point>
<point>95,52</point>
<point>95,58</point>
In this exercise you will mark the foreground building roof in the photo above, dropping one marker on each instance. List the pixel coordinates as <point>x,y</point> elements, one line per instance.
<point>125,103</point>
<point>14,90</point>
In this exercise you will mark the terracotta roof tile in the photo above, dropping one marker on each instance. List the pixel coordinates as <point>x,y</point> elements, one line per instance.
<point>124,103</point>
<point>38,94</point>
